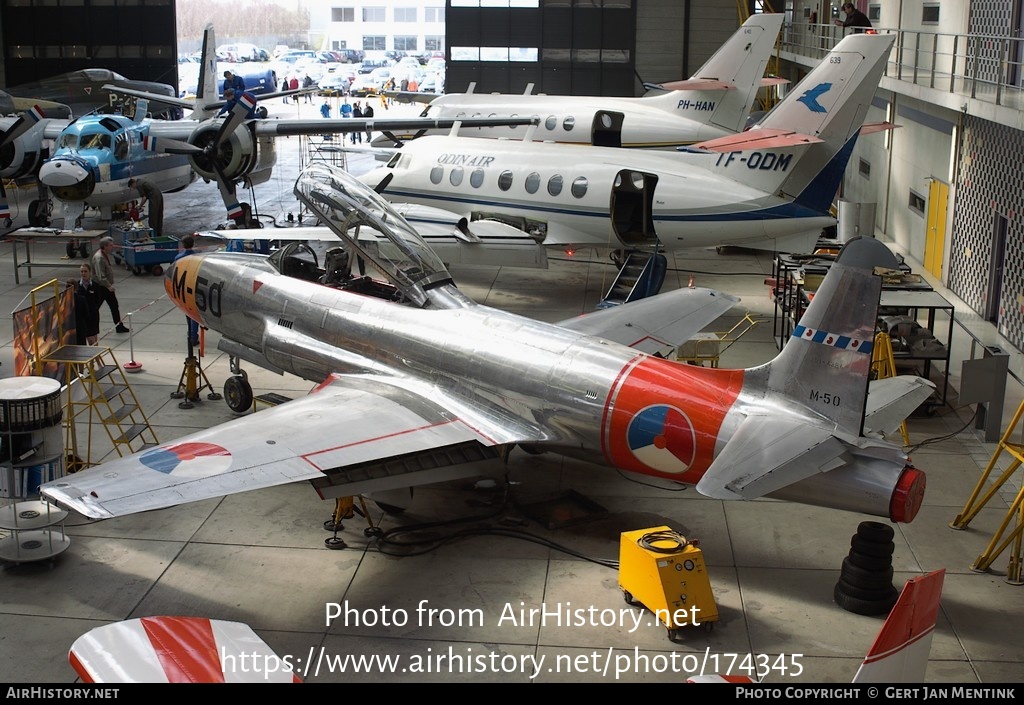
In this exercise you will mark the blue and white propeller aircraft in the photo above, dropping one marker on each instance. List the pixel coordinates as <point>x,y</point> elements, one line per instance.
<point>96,155</point>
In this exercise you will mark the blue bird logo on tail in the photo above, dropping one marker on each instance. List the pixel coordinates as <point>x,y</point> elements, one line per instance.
<point>810,98</point>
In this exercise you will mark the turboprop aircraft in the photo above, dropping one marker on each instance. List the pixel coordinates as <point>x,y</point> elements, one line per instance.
<point>714,102</point>
<point>419,384</point>
<point>96,154</point>
<point>769,187</point>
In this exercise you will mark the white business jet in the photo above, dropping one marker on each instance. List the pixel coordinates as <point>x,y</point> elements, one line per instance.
<point>714,102</point>
<point>769,187</point>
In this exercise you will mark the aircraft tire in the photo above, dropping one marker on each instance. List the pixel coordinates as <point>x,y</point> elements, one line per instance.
<point>868,608</point>
<point>238,394</point>
<point>37,217</point>
<point>875,531</point>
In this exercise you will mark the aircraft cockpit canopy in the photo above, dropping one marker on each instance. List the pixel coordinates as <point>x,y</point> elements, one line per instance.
<point>367,223</point>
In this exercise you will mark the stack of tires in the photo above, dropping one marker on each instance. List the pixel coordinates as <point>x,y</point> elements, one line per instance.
<point>865,581</point>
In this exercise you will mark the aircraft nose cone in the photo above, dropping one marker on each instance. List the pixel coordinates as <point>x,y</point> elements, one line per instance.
<point>62,173</point>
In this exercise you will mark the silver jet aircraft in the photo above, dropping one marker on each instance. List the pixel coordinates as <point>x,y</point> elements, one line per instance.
<point>419,384</point>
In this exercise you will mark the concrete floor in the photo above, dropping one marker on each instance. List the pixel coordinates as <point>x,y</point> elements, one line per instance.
<point>260,557</point>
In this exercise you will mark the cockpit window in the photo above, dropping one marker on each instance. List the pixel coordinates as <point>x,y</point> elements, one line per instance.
<point>95,141</point>
<point>68,141</point>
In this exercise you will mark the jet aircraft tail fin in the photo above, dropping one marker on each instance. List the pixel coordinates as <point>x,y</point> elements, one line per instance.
<point>739,64</point>
<point>811,134</point>
<point>207,84</point>
<point>900,652</point>
<point>825,365</point>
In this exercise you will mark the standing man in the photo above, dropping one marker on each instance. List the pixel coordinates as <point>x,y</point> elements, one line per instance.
<point>155,198</point>
<point>854,18</point>
<point>103,274</point>
<point>357,112</point>
<point>187,244</point>
<point>368,113</point>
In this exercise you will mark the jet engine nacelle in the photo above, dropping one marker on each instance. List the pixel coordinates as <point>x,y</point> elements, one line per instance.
<point>21,156</point>
<point>237,155</point>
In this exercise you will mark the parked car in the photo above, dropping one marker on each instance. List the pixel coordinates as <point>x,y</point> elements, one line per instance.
<point>333,84</point>
<point>371,83</point>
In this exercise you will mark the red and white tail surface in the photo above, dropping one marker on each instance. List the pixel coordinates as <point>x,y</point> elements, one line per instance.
<point>900,652</point>
<point>177,650</point>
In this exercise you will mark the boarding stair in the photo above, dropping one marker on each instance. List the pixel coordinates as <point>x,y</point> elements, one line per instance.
<point>98,394</point>
<point>641,275</point>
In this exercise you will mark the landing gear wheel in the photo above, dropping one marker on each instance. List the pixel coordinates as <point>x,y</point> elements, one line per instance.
<point>37,214</point>
<point>70,250</point>
<point>238,394</point>
<point>7,222</point>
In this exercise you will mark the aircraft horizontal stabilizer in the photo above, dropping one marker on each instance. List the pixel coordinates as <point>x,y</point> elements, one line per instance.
<point>654,323</point>
<point>695,84</point>
<point>872,127</point>
<point>766,454</point>
<point>891,400</point>
<point>152,97</point>
<point>756,138</point>
<point>347,421</point>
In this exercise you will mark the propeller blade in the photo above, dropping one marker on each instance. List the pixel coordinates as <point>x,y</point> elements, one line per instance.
<point>383,183</point>
<point>227,193</point>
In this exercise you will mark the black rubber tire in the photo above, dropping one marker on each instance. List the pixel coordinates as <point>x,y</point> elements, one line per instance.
<point>866,579</point>
<point>238,394</point>
<point>868,608</point>
<point>872,548</point>
<point>875,531</point>
<point>37,216</point>
<point>872,563</point>
<point>859,593</point>
<point>137,270</point>
<point>157,270</point>
<point>83,249</point>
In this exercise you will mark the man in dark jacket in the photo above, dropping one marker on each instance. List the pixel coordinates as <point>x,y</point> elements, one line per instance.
<point>854,18</point>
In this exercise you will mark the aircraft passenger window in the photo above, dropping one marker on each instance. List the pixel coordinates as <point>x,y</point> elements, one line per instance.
<point>555,185</point>
<point>456,176</point>
<point>579,187</point>
<point>569,123</point>
<point>551,122</point>
<point>532,182</point>
<point>505,180</point>
<point>476,179</point>
<point>436,174</point>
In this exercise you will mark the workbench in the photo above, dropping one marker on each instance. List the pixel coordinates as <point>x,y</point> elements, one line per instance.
<point>31,237</point>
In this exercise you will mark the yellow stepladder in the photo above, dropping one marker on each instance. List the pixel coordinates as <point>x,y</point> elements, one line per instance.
<point>975,502</point>
<point>883,365</point>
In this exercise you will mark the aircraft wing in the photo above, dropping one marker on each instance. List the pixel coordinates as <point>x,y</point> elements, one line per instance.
<point>411,96</point>
<point>347,421</point>
<point>892,399</point>
<point>653,323</point>
<point>768,453</point>
<point>756,138</point>
<point>284,128</point>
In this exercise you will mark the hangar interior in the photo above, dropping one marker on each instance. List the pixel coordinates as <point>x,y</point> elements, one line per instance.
<point>943,190</point>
